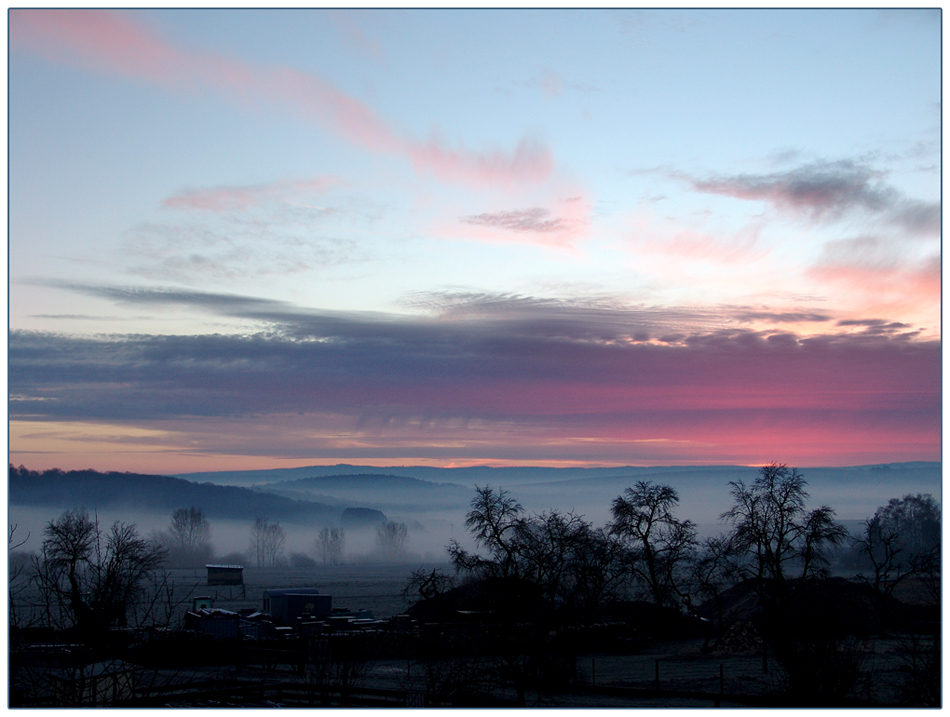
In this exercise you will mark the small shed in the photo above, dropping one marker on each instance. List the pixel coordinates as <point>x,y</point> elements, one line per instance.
<point>287,604</point>
<point>225,574</point>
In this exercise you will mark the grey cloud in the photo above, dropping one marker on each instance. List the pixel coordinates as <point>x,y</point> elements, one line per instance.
<point>523,220</point>
<point>882,327</point>
<point>914,217</point>
<point>819,187</point>
<point>781,317</point>
<point>863,251</point>
<point>513,358</point>
<point>876,323</point>
<point>829,190</point>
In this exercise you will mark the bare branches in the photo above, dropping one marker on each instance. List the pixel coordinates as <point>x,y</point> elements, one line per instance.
<point>88,579</point>
<point>330,543</point>
<point>660,544</point>
<point>772,527</point>
<point>267,543</point>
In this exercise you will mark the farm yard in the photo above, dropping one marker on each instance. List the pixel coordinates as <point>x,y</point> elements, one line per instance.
<point>551,611</point>
<point>374,587</point>
<point>647,672</point>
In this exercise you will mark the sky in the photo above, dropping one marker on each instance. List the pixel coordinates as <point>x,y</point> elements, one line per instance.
<point>248,239</point>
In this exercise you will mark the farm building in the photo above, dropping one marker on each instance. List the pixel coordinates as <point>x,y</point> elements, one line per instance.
<point>220,624</point>
<point>287,604</point>
<point>225,574</point>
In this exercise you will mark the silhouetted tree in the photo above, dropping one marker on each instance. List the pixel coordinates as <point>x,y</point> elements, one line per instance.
<point>90,580</point>
<point>188,538</point>
<point>901,540</point>
<point>267,543</point>
<point>596,569</point>
<point>428,584</point>
<point>493,519</point>
<point>660,544</point>
<point>391,538</point>
<point>713,570</point>
<point>782,545</point>
<point>773,529</point>
<point>330,543</point>
<point>547,549</point>
<point>573,564</point>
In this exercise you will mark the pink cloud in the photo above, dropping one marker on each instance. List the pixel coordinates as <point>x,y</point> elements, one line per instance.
<point>880,282</point>
<point>650,234</point>
<point>111,43</point>
<point>561,226</point>
<point>241,198</point>
<point>352,30</point>
<point>99,42</point>
<point>551,84</point>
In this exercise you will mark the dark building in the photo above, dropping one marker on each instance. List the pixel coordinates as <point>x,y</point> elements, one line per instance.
<point>285,605</point>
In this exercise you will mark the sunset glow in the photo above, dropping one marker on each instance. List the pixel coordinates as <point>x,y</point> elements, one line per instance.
<point>247,239</point>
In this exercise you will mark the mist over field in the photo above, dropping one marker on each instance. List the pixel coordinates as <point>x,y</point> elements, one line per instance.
<point>432,503</point>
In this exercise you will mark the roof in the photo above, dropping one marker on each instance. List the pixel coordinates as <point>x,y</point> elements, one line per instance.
<point>278,592</point>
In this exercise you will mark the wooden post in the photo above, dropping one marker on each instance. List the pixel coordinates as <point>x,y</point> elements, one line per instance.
<point>657,673</point>
<point>722,686</point>
<point>593,672</point>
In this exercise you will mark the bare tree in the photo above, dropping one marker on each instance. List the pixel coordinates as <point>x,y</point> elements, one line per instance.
<point>660,544</point>
<point>90,581</point>
<point>428,584</point>
<point>574,565</point>
<point>546,547</point>
<point>267,543</point>
<point>330,544</point>
<point>493,520</point>
<point>188,539</point>
<point>713,571</point>
<point>775,532</point>
<point>391,538</point>
<point>596,569</point>
<point>901,540</point>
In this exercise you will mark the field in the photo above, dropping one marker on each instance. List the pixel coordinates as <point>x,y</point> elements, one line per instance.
<point>365,586</point>
<point>675,667</point>
<point>680,664</point>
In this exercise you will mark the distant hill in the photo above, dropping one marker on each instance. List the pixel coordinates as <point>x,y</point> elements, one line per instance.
<point>93,490</point>
<point>467,476</point>
<point>384,492</point>
<point>854,491</point>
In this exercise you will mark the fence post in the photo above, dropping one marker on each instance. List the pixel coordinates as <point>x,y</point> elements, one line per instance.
<point>657,674</point>
<point>722,687</point>
<point>593,672</point>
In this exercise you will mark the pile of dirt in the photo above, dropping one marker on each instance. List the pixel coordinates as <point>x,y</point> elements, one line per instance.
<point>507,599</point>
<point>741,639</point>
<point>836,604</point>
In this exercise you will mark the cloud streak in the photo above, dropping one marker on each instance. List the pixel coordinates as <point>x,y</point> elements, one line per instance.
<point>219,199</point>
<point>111,43</point>
<point>546,370</point>
<point>524,220</point>
<point>568,223</point>
<point>825,190</point>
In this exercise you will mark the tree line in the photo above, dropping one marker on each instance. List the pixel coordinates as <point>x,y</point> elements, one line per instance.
<point>775,554</point>
<point>772,538</point>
